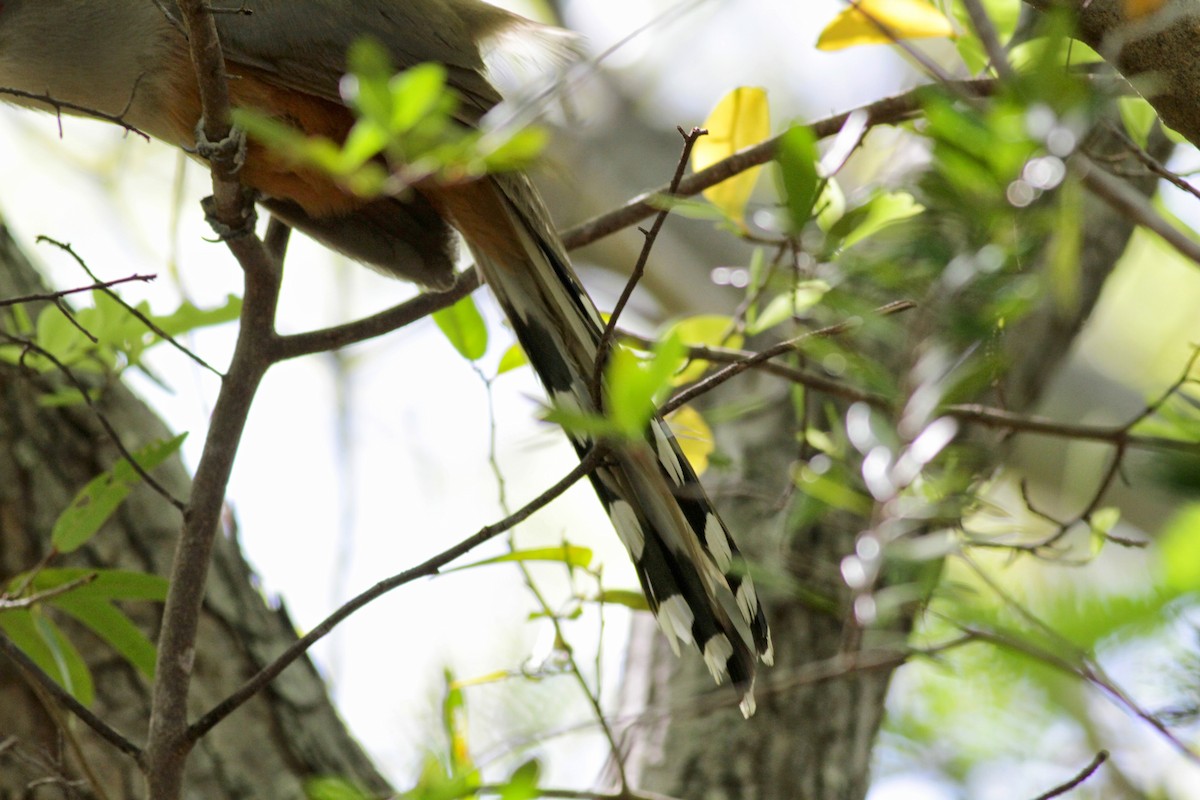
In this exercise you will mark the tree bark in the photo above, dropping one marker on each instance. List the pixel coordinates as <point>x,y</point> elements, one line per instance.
<point>269,747</point>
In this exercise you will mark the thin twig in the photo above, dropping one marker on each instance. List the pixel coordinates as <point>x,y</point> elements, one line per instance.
<point>50,297</point>
<point>1089,673</point>
<point>34,673</point>
<point>168,742</point>
<point>100,417</point>
<point>986,31</point>
<point>1083,775</point>
<point>319,341</point>
<point>428,568</point>
<point>639,269</point>
<point>578,794</point>
<point>40,597</point>
<point>1134,206</point>
<point>62,105</point>
<point>130,309</point>
<point>1151,163</point>
<point>738,367</point>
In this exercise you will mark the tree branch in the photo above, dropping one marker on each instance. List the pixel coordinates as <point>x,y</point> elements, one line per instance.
<point>428,568</point>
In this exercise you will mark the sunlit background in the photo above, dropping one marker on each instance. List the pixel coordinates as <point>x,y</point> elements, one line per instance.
<point>359,464</point>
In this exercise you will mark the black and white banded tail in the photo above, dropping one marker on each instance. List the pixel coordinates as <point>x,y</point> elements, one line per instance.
<point>684,556</point>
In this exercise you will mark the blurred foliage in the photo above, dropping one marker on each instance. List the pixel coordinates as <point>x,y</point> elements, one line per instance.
<point>407,129</point>
<point>898,297</point>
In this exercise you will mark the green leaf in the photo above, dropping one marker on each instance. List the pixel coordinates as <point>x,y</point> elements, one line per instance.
<point>417,93</point>
<point>582,423</point>
<point>187,317</point>
<point>629,598</point>
<point>372,70</point>
<point>516,151</point>
<point>113,626</point>
<point>22,324</point>
<point>832,492</point>
<point>569,554</point>
<point>783,307</point>
<point>106,584</point>
<point>1179,551</point>
<point>514,358</point>
<point>687,207</point>
<point>454,721</point>
<point>830,204</point>
<point>523,783</point>
<point>333,788</point>
<point>59,337</point>
<point>365,141</point>
<point>96,502</point>
<point>39,638</point>
<point>703,330</point>
<point>1139,118</point>
<point>873,216</point>
<point>1102,521</point>
<point>634,384</point>
<point>67,396</point>
<point>797,160</point>
<point>1065,247</point>
<point>463,325</point>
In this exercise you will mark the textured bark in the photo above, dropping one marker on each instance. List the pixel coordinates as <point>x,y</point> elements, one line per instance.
<point>1155,53</point>
<point>821,706</point>
<point>267,748</point>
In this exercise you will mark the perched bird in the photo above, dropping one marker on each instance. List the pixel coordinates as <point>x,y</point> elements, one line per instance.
<point>130,59</point>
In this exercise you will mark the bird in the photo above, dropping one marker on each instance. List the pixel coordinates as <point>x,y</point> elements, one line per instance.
<point>129,60</point>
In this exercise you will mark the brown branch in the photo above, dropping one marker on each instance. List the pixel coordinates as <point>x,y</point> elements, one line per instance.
<point>1127,201</point>
<point>60,106</point>
<point>888,110</point>
<point>761,357</point>
<point>232,213</point>
<point>1088,673</point>
<point>53,297</point>
<point>985,29</point>
<point>168,744</point>
<point>30,601</point>
<point>1151,163</point>
<point>338,336</point>
<point>1083,775</point>
<point>1116,435</point>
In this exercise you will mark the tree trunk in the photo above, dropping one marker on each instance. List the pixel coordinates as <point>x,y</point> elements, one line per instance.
<point>821,705</point>
<point>269,746</point>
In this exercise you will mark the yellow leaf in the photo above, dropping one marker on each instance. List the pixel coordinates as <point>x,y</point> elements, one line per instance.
<point>694,436</point>
<point>702,330</point>
<point>741,119</point>
<point>883,22</point>
<point>490,677</point>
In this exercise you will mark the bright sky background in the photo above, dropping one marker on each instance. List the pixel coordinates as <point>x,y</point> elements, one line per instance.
<point>323,512</point>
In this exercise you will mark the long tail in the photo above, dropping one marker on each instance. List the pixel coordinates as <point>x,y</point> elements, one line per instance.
<point>684,555</point>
